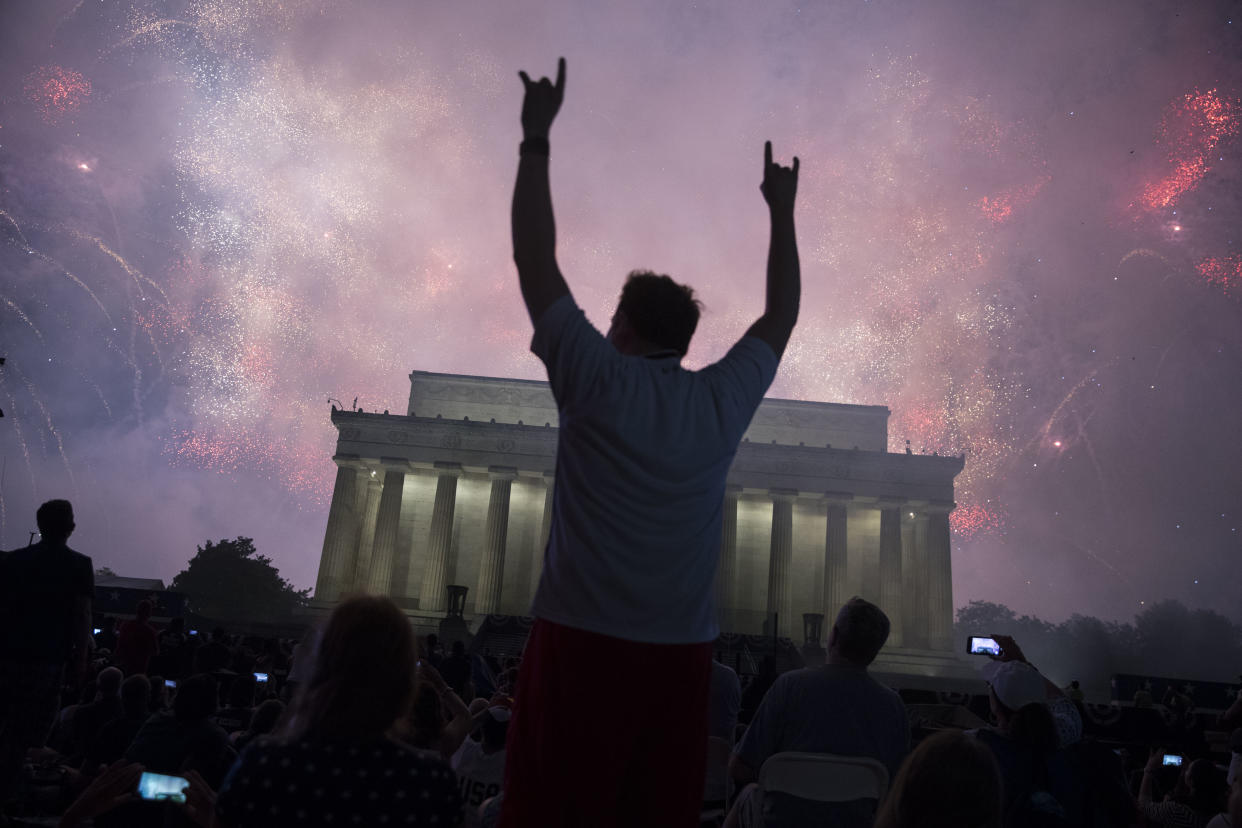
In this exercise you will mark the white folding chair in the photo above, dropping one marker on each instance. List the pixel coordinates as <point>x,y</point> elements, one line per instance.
<point>824,777</point>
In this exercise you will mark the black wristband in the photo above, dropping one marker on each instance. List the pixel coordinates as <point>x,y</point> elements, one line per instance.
<point>535,145</point>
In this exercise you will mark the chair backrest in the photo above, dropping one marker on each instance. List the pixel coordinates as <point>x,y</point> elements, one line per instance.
<point>824,777</point>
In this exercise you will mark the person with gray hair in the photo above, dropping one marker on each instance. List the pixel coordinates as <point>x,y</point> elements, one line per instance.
<point>836,708</point>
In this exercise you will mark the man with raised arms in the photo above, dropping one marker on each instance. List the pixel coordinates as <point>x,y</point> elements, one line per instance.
<point>610,721</point>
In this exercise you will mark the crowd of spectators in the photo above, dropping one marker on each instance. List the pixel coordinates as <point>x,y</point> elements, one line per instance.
<point>360,722</point>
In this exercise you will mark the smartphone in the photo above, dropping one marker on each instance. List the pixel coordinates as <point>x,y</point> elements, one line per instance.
<point>193,632</point>
<point>982,645</point>
<point>171,684</point>
<point>98,630</point>
<point>161,788</point>
<point>261,678</point>
<point>1171,760</point>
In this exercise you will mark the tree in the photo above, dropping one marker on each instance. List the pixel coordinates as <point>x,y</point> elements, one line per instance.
<point>229,580</point>
<point>105,572</point>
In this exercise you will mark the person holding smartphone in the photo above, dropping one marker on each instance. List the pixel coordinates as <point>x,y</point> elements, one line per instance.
<point>1199,795</point>
<point>1035,723</point>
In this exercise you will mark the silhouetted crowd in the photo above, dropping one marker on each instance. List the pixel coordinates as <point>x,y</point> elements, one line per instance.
<point>363,723</point>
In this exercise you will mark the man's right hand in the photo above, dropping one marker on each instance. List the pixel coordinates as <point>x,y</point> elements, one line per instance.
<point>542,102</point>
<point>780,184</point>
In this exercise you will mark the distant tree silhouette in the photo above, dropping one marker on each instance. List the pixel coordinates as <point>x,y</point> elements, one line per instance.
<point>105,572</point>
<point>229,580</point>
<point>1166,639</point>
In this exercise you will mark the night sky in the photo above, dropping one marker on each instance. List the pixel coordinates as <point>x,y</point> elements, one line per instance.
<point>1019,226</point>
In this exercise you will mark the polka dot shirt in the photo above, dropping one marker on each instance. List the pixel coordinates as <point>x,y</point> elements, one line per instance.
<point>338,785</point>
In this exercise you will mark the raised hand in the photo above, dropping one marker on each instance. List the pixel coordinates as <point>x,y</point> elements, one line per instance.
<point>542,102</point>
<point>780,184</point>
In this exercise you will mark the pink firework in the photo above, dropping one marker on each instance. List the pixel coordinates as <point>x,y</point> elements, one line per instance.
<point>1223,272</point>
<point>970,519</point>
<point>56,91</point>
<point>1192,128</point>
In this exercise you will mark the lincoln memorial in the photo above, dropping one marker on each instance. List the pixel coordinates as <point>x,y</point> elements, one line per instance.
<point>458,491</point>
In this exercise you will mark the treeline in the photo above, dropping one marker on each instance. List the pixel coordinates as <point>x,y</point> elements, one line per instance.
<point>1165,639</point>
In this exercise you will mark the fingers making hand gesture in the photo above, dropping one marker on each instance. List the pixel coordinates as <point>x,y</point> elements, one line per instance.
<point>780,184</point>
<point>542,102</point>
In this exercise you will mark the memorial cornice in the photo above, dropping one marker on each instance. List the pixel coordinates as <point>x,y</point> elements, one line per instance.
<point>364,438</point>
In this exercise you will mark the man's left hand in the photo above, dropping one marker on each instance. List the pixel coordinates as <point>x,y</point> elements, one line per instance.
<point>542,102</point>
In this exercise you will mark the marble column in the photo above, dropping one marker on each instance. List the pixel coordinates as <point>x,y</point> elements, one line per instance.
<point>913,580</point>
<point>496,531</point>
<point>545,530</point>
<point>780,560</point>
<point>366,535</point>
<point>387,521</point>
<point>440,539</point>
<point>726,570</point>
<point>338,541</point>
<point>836,556</point>
<point>939,581</point>
<point>890,570</point>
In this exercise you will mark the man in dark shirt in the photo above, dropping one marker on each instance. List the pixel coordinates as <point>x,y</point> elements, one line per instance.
<point>45,623</point>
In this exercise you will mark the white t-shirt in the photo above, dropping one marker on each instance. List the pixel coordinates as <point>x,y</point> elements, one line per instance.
<point>643,450</point>
<point>480,776</point>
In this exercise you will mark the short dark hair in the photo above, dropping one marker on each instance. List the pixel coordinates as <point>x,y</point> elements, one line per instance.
<point>55,519</point>
<point>862,628</point>
<point>196,698</point>
<point>135,695</point>
<point>659,310</point>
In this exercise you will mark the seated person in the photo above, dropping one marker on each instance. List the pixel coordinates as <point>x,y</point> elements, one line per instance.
<point>949,781</point>
<point>236,716</point>
<point>1200,794</point>
<point>115,737</point>
<point>480,765</point>
<point>1035,724</point>
<point>262,723</point>
<point>837,708</point>
<point>335,758</point>
<point>172,743</point>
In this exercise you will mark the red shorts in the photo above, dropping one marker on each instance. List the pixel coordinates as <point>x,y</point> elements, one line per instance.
<point>606,732</point>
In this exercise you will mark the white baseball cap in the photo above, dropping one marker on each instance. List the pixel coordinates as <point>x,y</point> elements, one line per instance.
<point>1015,683</point>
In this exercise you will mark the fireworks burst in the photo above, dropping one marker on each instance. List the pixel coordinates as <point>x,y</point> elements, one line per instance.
<point>1193,127</point>
<point>56,92</point>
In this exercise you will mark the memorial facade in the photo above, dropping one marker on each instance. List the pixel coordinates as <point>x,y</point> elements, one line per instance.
<point>459,491</point>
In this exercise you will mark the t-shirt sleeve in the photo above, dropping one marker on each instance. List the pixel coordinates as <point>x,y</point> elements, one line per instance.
<point>741,378</point>
<point>1068,721</point>
<point>574,352</point>
<point>763,737</point>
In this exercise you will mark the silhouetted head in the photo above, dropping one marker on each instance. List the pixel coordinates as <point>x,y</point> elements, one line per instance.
<point>1206,786</point>
<point>108,624</point>
<point>241,691</point>
<point>176,625</point>
<point>55,519</point>
<point>858,634</point>
<point>143,610</point>
<point>362,676</point>
<point>196,698</point>
<point>459,648</point>
<point>950,779</point>
<point>135,696</point>
<point>109,682</point>
<point>654,314</point>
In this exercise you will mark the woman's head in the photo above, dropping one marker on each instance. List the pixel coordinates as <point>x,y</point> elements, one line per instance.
<point>1205,786</point>
<point>361,678</point>
<point>949,780</point>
